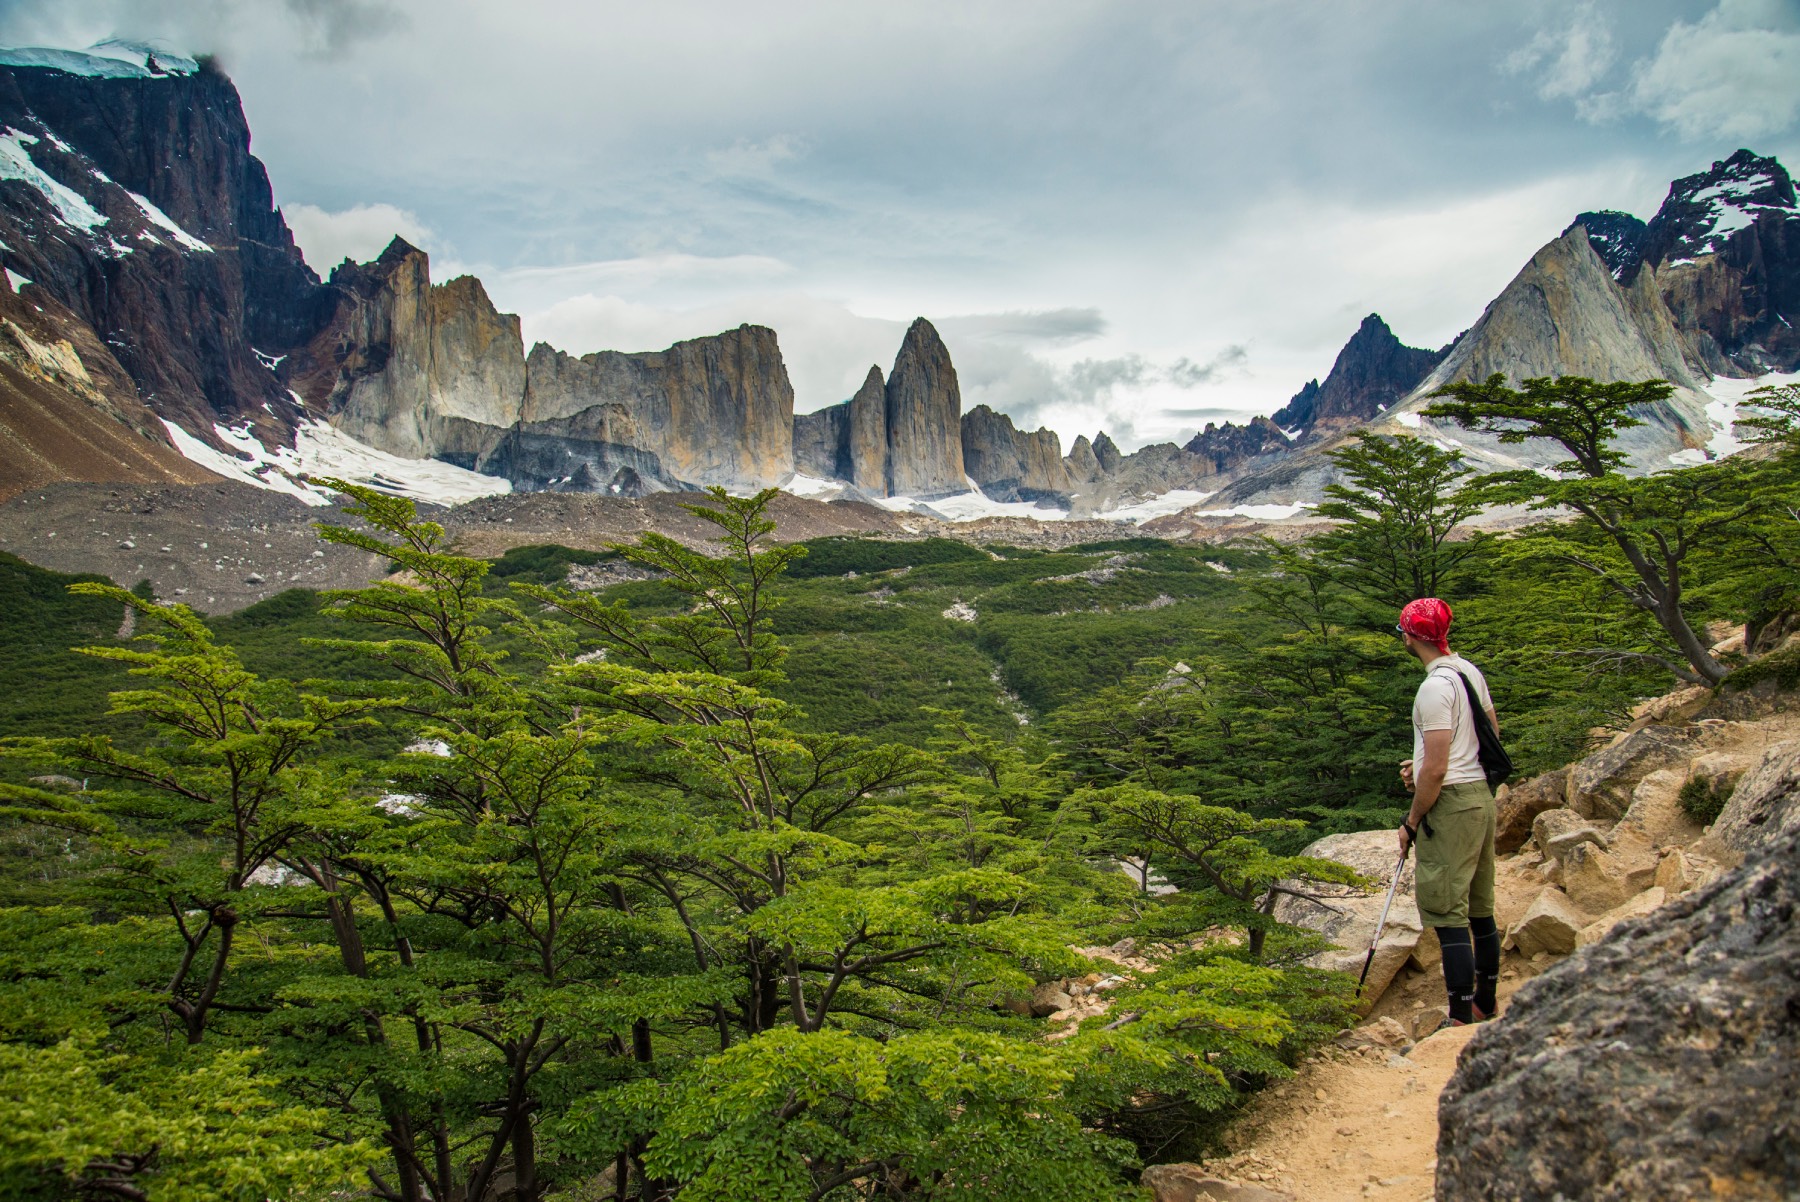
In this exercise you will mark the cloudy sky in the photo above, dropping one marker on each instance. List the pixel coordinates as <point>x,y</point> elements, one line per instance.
<point>1136,215</point>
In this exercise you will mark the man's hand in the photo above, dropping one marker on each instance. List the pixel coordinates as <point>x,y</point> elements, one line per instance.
<point>1406,774</point>
<point>1405,840</point>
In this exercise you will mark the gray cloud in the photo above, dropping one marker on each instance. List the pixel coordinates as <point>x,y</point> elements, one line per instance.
<point>1096,199</point>
<point>334,26</point>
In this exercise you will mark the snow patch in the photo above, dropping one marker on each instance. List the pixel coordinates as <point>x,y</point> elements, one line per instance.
<point>324,450</point>
<point>15,279</point>
<point>163,221</point>
<point>811,486</point>
<point>112,59</point>
<point>1173,501</point>
<point>15,163</point>
<point>973,506</point>
<point>1262,513</point>
<point>1409,419</point>
<point>1722,412</point>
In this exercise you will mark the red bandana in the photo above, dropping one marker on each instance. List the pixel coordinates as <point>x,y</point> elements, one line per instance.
<point>1428,619</point>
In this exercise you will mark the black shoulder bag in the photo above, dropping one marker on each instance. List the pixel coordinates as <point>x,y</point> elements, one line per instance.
<point>1496,765</point>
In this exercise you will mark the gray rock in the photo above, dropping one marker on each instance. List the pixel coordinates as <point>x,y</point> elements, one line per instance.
<point>1010,464</point>
<point>1552,825</point>
<point>924,419</point>
<point>1191,1183</point>
<point>1523,802</point>
<point>1658,1063</point>
<point>1348,916</point>
<point>1550,924</point>
<point>1765,806</point>
<point>1601,785</point>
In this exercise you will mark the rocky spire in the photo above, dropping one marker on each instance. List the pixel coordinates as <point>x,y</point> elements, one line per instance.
<point>924,418</point>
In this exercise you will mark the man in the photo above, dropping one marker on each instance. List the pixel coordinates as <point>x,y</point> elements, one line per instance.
<point>1451,823</point>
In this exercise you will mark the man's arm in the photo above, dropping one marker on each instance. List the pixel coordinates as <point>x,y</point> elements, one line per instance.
<point>1428,780</point>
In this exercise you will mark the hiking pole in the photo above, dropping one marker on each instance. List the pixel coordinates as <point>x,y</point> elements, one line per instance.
<point>1382,925</point>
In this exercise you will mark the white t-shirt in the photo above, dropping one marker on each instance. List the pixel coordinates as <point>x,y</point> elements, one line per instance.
<point>1442,704</point>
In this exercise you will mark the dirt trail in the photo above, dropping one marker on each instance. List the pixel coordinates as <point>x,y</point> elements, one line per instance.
<point>1359,1123</point>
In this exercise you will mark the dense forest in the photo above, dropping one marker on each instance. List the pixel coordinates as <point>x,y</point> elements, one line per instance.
<point>661,873</point>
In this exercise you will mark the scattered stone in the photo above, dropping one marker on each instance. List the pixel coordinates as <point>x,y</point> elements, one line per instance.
<point>1427,1021</point>
<point>1720,770</point>
<point>254,578</point>
<point>126,544</point>
<point>1550,925</point>
<point>1595,880</point>
<point>1382,1033</point>
<point>1656,812</point>
<point>1656,1064</point>
<point>1559,847</point>
<point>1553,823</point>
<point>1050,997</point>
<point>1677,872</point>
<point>1601,785</point>
<point>1645,902</point>
<point>961,611</point>
<point>1522,803</point>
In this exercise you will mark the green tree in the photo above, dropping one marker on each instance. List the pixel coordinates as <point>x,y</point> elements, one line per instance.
<point>1653,527</point>
<point>1401,501</point>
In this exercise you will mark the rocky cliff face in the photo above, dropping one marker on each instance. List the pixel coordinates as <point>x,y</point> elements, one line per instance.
<point>924,418</point>
<point>898,438</point>
<point>1725,252</point>
<point>132,200</point>
<point>1010,464</point>
<point>1565,315</point>
<point>1373,372</point>
<point>716,410</point>
<point>847,441</point>
<point>410,368</point>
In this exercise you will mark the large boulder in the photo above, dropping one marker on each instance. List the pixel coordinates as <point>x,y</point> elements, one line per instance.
<point>1655,814</point>
<point>1637,907</point>
<point>1601,785</point>
<point>1658,1063</point>
<point>1552,924</point>
<point>1597,880</point>
<point>1347,916</point>
<point>1522,803</point>
<point>1766,803</point>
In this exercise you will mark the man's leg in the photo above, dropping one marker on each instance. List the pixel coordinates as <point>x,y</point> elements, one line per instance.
<point>1447,866</point>
<point>1459,971</point>
<point>1482,927</point>
<point>1486,963</point>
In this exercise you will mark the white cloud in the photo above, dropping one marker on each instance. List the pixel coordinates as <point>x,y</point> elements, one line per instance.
<point>1733,74</point>
<point>1567,62</point>
<point>360,232</point>
<point>756,160</point>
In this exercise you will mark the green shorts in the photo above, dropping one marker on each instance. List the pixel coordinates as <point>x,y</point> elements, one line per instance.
<point>1455,866</point>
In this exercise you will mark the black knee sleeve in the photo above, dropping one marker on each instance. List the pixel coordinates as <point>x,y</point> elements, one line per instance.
<point>1486,935</point>
<point>1459,971</point>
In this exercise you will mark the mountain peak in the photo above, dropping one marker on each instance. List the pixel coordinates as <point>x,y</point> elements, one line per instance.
<point>1374,370</point>
<point>1703,210</point>
<point>1618,238</point>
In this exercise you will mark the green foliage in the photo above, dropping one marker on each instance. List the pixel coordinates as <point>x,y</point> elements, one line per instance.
<point>733,878</point>
<point>840,555</point>
<point>94,1124</point>
<point>1701,801</point>
<point>43,689</point>
<point>1400,502</point>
